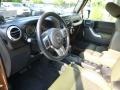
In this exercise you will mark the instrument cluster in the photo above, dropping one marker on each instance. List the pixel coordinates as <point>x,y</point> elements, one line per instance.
<point>30,30</point>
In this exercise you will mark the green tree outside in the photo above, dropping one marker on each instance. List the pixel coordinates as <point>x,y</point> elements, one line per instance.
<point>97,8</point>
<point>16,0</point>
<point>59,2</point>
<point>11,0</point>
<point>37,1</point>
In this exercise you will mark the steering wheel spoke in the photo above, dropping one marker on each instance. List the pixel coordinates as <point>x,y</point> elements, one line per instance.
<point>61,51</point>
<point>64,33</point>
<point>46,42</point>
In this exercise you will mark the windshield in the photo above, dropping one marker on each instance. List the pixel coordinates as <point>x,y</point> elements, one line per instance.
<point>26,8</point>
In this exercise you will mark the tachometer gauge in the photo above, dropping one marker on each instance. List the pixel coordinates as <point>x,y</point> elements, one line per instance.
<point>30,30</point>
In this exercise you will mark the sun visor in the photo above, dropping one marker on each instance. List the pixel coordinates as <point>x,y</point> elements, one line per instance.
<point>113,9</point>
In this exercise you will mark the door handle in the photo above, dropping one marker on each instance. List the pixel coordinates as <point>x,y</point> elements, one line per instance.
<point>94,34</point>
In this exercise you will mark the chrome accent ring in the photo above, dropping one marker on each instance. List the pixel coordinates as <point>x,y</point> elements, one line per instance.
<point>9,33</point>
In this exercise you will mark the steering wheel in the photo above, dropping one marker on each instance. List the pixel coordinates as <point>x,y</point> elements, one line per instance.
<point>54,42</point>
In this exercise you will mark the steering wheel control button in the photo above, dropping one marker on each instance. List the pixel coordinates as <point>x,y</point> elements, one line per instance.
<point>46,42</point>
<point>64,33</point>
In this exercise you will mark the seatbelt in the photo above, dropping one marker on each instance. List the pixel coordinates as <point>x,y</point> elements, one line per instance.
<point>77,76</point>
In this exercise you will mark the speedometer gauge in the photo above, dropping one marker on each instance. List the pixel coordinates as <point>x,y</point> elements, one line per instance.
<point>30,30</point>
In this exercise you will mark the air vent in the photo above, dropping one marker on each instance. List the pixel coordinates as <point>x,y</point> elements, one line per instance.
<point>14,33</point>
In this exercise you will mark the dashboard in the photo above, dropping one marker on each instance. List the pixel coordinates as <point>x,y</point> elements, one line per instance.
<point>30,28</point>
<point>19,37</point>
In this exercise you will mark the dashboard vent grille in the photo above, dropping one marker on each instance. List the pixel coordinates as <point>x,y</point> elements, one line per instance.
<point>14,33</point>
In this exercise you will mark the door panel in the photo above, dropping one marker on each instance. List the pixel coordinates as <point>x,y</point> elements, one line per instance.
<point>104,27</point>
<point>98,32</point>
<point>3,81</point>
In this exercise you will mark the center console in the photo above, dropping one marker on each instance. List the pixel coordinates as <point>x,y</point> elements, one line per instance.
<point>72,58</point>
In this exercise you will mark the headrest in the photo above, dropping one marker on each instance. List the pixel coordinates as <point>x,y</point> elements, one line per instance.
<point>113,9</point>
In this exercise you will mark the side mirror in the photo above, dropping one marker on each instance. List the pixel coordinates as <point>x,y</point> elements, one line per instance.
<point>85,14</point>
<point>88,13</point>
<point>2,19</point>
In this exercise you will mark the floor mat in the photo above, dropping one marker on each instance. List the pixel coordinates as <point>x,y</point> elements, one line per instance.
<point>39,77</point>
<point>82,44</point>
<point>79,47</point>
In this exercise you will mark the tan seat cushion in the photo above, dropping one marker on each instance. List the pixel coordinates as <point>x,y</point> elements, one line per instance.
<point>79,79</point>
<point>106,58</point>
<point>92,53</point>
<point>92,56</point>
<point>109,58</point>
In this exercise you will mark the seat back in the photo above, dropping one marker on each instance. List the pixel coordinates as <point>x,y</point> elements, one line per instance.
<point>114,10</point>
<point>115,42</point>
<point>115,75</point>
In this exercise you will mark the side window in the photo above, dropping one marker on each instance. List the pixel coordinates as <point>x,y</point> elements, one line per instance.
<point>95,10</point>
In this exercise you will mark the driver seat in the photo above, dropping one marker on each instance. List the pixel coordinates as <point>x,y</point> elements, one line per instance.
<point>75,77</point>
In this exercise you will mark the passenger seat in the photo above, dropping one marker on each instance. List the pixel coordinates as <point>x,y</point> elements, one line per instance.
<point>93,52</point>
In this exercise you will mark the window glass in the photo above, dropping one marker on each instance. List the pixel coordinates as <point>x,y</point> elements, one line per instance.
<point>95,10</point>
<point>11,9</point>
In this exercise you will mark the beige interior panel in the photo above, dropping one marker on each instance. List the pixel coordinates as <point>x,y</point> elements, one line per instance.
<point>79,79</point>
